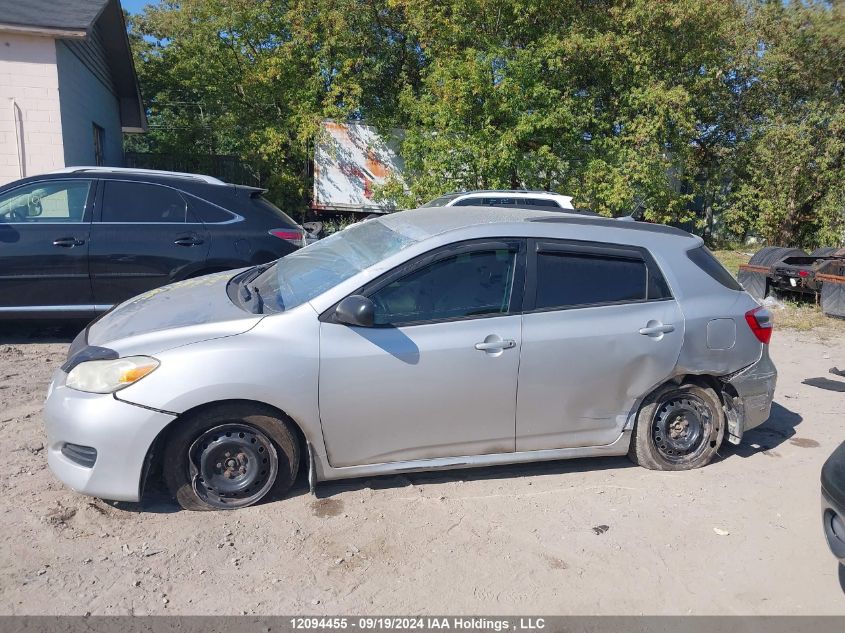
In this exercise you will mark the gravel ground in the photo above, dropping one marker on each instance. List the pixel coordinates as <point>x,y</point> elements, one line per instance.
<point>595,536</point>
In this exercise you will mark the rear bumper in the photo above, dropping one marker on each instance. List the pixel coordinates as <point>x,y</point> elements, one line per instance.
<point>755,390</point>
<point>119,432</point>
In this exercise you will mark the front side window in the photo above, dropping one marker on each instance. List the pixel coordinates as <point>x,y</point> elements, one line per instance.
<point>51,201</point>
<point>566,280</point>
<point>471,284</point>
<point>125,201</point>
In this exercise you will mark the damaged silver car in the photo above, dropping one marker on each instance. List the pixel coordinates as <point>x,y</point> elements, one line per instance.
<point>428,339</point>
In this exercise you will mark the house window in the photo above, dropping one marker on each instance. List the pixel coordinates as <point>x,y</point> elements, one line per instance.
<point>99,135</point>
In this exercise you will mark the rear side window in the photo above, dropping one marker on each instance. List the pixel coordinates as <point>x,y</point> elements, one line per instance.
<point>142,202</point>
<point>566,280</point>
<point>538,202</point>
<point>265,204</point>
<point>706,261</point>
<point>209,213</point>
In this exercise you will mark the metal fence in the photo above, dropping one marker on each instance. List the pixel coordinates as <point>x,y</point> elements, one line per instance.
<point>229,168</point>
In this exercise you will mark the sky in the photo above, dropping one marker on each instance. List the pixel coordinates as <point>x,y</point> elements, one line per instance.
<point>135,6</point>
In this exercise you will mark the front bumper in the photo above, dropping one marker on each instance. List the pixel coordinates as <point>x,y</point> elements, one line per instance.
<point>833,502</point>
<point>755,390</point>
<point>121,433</point>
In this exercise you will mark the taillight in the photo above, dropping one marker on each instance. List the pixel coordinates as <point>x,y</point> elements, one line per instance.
<point>803,273</point>
<point>761,323</point>
<point>293,236</point>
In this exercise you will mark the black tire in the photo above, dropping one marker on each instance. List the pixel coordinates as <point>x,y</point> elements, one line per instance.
<point>694,418</point>
<point>824,251</point>
<point>260,450</point>
<point>771,255</point>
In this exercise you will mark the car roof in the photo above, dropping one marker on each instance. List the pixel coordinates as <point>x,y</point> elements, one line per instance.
<point>430,221</point>
<point>131,171</point>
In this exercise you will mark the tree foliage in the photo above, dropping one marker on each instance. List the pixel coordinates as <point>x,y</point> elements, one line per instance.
<point>722,115</point>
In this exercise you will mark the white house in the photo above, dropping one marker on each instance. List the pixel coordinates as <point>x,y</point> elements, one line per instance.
<point>68,88</point>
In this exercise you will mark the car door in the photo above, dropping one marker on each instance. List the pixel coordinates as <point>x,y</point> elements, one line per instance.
<point>436,375</point>
<point>144,237</point>
<point>44,241</point>
<point>600,330</point>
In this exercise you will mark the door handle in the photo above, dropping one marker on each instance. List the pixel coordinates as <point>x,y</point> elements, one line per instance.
<point>68,242</point>
<point>188,241</point>
<point>655,328</point>
<point>487,346</point>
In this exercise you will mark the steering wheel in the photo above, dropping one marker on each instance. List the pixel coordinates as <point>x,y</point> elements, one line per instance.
<point>14,215</point>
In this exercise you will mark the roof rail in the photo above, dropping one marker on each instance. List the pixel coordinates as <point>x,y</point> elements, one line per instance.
<point>211,180</point>
<point>620,223</point>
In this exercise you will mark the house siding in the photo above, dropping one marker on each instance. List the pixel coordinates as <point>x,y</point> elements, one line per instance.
<point>87,97</point>
<point>32,142</point>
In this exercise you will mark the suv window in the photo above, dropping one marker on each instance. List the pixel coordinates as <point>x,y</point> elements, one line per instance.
<point>706,261</point>
<point>567,280</point>
<point>465,285</point>
<point>539,202</point>
<point>125,201</point>
<point>48,201</point>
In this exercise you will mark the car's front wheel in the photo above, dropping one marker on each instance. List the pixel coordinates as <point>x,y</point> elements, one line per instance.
<point>679,427</point>
<point>228,457</point>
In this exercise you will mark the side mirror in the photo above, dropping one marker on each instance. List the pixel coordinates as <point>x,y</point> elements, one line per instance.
<point>355,310</point>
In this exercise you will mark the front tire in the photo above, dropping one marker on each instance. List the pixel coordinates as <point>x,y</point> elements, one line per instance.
<point>229,457</point>
<point>679,427</point>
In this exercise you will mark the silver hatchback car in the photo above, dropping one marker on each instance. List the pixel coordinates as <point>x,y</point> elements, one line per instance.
<point>428,339</point>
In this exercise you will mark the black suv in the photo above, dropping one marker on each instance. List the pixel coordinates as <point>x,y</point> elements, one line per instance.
<point>77,241</point>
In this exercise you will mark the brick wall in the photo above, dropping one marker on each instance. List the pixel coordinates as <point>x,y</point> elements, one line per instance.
<point>28,74</point>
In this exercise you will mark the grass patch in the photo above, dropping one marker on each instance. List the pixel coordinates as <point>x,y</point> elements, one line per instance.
<point>733,259</point>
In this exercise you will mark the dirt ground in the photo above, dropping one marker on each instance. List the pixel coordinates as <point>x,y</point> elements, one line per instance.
<point>596,536</point>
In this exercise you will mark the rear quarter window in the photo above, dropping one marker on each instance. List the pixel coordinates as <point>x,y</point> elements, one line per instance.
<point>706,261</point>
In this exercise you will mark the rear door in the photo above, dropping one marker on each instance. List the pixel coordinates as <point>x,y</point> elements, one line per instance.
<point>143,237</point>
<point>44,240</point>
<point>600,330</point>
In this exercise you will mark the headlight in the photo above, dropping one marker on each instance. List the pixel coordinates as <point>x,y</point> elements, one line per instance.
<point>106,376</point>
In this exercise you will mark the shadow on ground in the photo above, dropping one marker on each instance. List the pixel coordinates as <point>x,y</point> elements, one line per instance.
<point>772,433</point>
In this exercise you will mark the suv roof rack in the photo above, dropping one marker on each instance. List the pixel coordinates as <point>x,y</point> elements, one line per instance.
<point>211,180</point>
<point>620,223</point>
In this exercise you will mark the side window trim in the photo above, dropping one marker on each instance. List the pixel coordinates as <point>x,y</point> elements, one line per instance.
<point>536,246</point>
<point>515,244</point>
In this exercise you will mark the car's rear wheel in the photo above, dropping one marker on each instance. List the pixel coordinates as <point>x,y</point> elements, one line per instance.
<point>679,427</point>
<point>228,457</point>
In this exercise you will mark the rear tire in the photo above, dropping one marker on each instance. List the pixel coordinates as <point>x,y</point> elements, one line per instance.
<point>679,427</point>
<point>231,456</point>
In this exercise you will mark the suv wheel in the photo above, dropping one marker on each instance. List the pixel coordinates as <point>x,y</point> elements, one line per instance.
<point>230,457</point>
<point>678,428</point>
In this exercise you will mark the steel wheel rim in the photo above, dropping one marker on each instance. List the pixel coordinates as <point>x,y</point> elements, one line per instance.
<point>232,465</point>
<point>682,427</point>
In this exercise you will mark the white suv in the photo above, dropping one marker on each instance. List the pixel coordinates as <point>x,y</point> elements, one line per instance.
<point>521,198</point>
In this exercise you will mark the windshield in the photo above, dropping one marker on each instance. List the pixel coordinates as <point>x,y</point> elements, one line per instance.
<point>310,271</point>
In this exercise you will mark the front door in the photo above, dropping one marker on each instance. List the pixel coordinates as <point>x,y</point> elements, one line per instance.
<point>144,237</point>
<point>44,237</point>
<point>601,329</point>
<point>436,376</point>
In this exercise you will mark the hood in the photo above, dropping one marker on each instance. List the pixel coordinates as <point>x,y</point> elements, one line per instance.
<point>186,312</point>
